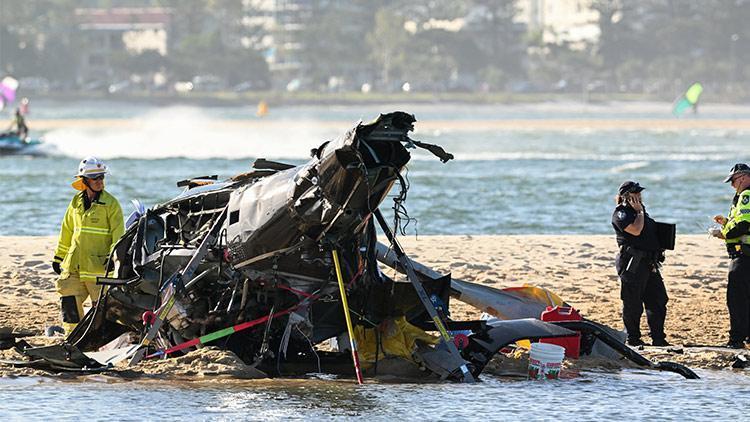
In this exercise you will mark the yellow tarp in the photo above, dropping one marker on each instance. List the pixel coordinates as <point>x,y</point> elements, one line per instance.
<point>537,294</point>
<point>397,339</point>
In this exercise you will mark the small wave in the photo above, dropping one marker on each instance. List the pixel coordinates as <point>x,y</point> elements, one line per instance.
<point>186,132</point>
<point>566,156</point>
<point>629,166</point>
<point>191,132</point>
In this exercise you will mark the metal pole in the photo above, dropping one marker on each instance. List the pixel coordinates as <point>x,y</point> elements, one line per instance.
<point>347,316</point>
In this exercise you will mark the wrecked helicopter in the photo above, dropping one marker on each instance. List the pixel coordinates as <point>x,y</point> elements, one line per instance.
<point>272,263</point>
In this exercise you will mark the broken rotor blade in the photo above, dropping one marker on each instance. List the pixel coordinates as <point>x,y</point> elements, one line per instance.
<point>496,302</point>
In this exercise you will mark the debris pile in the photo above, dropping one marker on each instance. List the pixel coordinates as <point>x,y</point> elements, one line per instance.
<point>268,265</point>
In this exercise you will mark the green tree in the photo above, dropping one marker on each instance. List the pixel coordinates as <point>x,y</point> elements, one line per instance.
<point>147,61</point>
<point>207,38</point>
<point>670,43</point>
<point>39,38</point>
<point>334,43</point>
<point>388,45</point>
<point>440,50</point>
<point>439,57</point>
<point>499,36</point>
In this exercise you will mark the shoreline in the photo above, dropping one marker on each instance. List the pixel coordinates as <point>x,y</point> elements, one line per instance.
<point>286,98</point>
<point>475,125</point>
<point>277,98</point>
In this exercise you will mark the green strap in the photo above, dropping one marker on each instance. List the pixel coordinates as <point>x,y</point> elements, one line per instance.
<point>218,334</point>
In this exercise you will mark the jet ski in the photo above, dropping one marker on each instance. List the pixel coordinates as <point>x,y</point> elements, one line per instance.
<point>12,144</point>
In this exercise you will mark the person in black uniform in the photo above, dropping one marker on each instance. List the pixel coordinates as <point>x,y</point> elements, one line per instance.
<point>637,265</point>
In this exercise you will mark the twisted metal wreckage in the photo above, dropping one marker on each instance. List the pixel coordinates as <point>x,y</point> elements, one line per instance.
<point>251,264</point>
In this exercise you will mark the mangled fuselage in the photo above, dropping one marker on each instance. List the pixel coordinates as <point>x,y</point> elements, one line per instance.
<point>254,252</point>
<point>246,264</point>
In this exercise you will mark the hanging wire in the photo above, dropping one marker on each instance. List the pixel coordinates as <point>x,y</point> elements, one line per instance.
<point>312,347</point>
<point>401,218</point>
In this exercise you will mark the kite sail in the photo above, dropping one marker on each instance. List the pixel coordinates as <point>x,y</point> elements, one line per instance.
<point>8,87</point>
<point>688,100</point>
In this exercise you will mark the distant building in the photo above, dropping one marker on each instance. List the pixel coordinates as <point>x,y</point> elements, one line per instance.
<point>109,32</point>
<point>561,21</point>
<point>283,24</point>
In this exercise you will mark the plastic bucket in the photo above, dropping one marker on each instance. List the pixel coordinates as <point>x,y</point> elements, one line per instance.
<point>545,361</point>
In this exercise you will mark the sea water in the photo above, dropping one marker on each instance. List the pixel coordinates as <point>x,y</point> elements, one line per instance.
<point>511,181</point>
<point>588,396</point>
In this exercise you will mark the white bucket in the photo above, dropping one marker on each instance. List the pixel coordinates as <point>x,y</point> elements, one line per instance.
<point>545,360</point>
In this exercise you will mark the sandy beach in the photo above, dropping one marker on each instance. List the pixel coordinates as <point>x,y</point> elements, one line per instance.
<point>579,268</point>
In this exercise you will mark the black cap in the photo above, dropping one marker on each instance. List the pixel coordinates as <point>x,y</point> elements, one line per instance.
<point>629,186</point>
<point>737,169</point>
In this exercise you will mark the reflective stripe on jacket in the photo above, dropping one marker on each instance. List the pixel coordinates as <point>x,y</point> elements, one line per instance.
<point>739,211</point>
<point>87,236</point>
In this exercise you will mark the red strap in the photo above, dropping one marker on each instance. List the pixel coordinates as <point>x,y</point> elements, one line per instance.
<point>237,328</point>
<point>248,324</point>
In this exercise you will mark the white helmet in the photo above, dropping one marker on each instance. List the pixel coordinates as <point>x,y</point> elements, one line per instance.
<point>89,167</point>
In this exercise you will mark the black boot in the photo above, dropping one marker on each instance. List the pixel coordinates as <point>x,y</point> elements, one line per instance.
<point>636,342</point>
<point>660,343</point>
<point>736,344</point>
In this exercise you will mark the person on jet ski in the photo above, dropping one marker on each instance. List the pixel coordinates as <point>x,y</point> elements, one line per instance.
<point>19,123</point>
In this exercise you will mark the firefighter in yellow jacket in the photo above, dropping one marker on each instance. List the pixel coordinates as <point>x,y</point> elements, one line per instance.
<point>92,224</point>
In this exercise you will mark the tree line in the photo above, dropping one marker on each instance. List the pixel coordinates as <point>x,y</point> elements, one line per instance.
<point>648,46</point>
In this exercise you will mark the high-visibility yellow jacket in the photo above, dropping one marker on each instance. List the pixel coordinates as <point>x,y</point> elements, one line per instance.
<point>87,236</point>
<point>739,212</point>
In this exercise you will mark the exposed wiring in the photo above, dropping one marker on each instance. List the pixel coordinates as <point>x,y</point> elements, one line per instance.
<point>312,347</point>
<point>401,219</point>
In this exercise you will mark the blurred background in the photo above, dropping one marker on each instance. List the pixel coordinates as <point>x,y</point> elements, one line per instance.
<point>227,48</point>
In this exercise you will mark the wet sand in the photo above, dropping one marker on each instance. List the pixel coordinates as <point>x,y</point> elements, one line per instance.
<point>579,268</point>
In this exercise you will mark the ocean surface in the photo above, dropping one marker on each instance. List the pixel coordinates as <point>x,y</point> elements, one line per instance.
<point>632,395</point>
<point>511,181</point>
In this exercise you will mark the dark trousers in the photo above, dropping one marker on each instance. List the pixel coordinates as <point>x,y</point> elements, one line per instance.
<point>738,298</point>
<point>642,287</point>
